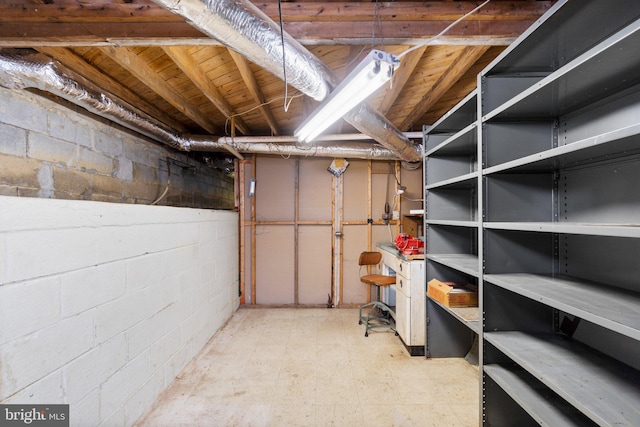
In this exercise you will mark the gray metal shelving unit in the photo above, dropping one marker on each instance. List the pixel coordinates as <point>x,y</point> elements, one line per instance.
<point>451,224</point>
<point>558,246</point>
<point>532,192</point>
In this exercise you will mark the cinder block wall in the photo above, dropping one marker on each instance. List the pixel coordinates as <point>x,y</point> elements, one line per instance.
<point>52,151</point>
<point>103,304</point>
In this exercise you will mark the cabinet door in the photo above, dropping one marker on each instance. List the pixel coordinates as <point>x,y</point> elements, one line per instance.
<point>403,313</point>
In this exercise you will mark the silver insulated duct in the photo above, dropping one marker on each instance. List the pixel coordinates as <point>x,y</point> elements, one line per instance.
<point>243,27</point>
<point>23,71</point>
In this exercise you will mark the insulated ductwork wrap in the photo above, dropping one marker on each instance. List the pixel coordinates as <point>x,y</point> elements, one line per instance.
<point>23,71</point>
<point>363,116</point>
<point>288,146</point>
<point>241,26</point>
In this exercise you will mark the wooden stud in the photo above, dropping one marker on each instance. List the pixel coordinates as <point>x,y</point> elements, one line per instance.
<point>253,238</point>
<point>239,167</point>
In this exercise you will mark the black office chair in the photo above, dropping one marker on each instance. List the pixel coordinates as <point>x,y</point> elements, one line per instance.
<point>379,315</point>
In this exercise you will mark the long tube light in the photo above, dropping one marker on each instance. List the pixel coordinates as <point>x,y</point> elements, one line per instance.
<point>376,69</point>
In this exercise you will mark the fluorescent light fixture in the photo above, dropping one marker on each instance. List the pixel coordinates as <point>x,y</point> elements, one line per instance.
<point>376,69</point>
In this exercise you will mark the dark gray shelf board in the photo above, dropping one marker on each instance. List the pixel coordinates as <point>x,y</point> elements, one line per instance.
<point>544,406</point>
<point>452,223</point>
<point>600,387</point>
<point>559,33</point>
<point>605,69</point>
<point>463,181</point>
<point>590,229</point>
<point>468,316</point>
<point>612,308</point>
<point>467,264</point>
<point>454,119</point>
<point>597,147</point>
<point>462,143</point>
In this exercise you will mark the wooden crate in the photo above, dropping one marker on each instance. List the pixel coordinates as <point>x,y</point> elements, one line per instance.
<point>452,294</point>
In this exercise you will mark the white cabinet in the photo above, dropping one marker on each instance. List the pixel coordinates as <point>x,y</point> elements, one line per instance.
<point>410,300</point>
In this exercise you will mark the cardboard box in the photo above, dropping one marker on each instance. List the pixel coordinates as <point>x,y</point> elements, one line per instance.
<point>453,294</point>
<point>412,224</point>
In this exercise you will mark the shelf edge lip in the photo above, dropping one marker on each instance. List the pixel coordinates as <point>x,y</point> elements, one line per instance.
<point>604,45</point>
<point>589,229</point>
<point>448,141</point>
<point>470,224</point>
<point>600,320</point>
<point>574,147</point>
<point>454,180</point>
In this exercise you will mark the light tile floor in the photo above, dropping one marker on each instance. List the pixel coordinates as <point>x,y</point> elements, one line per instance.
<point>314,367</point>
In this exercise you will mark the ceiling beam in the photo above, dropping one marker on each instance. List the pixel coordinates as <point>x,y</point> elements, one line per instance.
<point>400,77</point>
<point>468,56</point>
<point>256,93</point>
<point>138,68</point>
<point>71,60</point>
<point>192,70</point>
<point>145,23</point>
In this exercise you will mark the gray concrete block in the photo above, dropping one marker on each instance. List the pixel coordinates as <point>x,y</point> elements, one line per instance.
<point>47,148</point>
<point>108,142</point>
<point>61,126</point>
<point>13,140</point>
<point>20,109</point>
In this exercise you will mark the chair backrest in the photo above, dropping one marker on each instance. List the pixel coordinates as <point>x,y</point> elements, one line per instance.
<point>369,258</point>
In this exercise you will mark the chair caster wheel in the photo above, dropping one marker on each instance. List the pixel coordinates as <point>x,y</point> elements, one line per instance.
<point>360,322</point>
<point>366,334</point>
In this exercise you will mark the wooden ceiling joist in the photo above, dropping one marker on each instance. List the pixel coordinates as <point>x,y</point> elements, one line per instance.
<point>145,23</point>
<point>74,62</point>
<point>256,93</point>
<point>457,68</point>
<point>182,58</point>
<point>137,67</point>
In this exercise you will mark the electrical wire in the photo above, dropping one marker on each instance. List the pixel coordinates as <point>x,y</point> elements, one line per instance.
<point>284,67</point>
<point>166,189</point>
<point>441,33</point>
<point>258,106</point>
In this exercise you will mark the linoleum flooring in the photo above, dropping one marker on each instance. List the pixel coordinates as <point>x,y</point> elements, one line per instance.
<point>314,367</point>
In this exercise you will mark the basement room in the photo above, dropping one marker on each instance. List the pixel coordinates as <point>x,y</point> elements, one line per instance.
<point>319,213</point>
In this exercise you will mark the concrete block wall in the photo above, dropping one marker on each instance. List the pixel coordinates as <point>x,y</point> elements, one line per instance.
<point>103,304</point>
<point>52,151</point>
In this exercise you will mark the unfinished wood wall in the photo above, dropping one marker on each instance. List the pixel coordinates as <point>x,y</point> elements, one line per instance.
<point>289,254</point>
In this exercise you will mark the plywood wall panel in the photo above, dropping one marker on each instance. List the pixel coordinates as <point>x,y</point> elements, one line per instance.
<point>379,194</point>
<point>354,242</point>
<point>356,189</point>
<point>314,264</point>
<point>275,189</point>
<point>275,264</point>
<point>413,181</point>
<point>247,266</point>
<point>315,190</point>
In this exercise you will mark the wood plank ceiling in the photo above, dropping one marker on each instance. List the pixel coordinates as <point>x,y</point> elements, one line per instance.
<point>154,60</point>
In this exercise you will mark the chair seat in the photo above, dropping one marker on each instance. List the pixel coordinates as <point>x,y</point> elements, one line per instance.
<point>378,279</point>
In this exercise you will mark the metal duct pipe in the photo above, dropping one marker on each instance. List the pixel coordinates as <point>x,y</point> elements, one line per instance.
<point>349,150</point>
<point>19,71</point>
<point>241,26</point>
